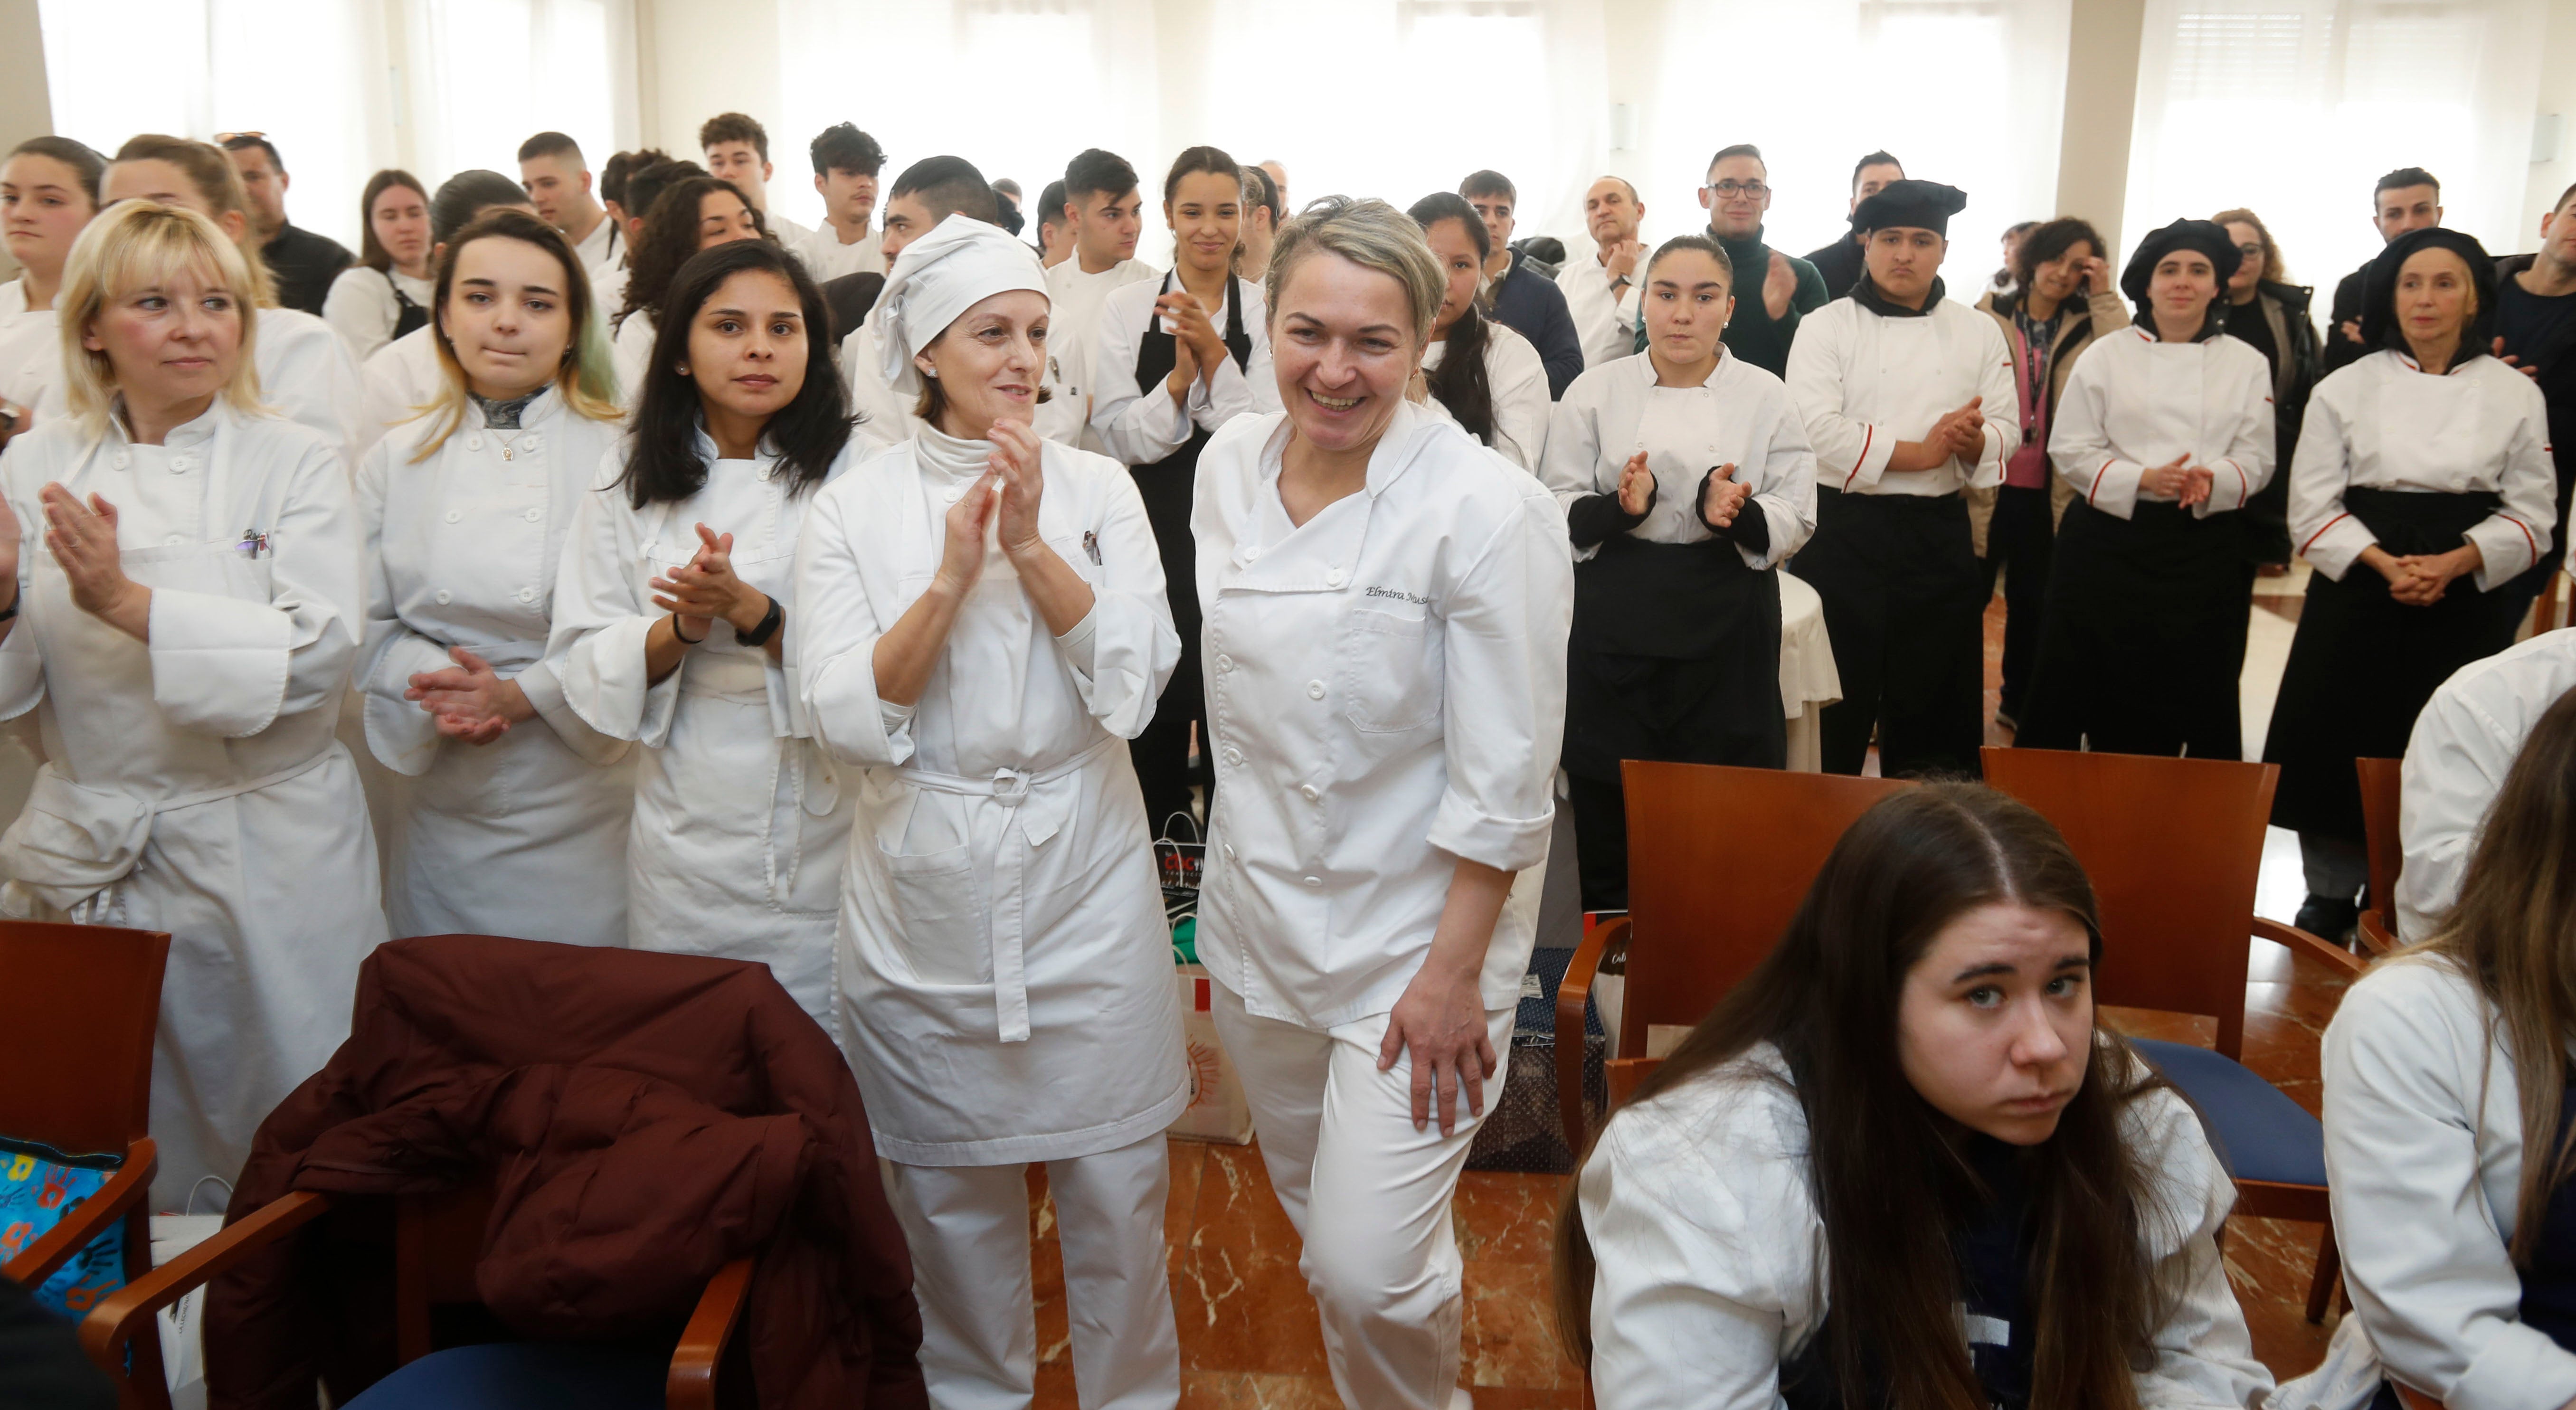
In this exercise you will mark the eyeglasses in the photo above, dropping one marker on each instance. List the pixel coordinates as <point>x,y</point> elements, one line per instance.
<point>1733,189</point>
<point>2250,251</point>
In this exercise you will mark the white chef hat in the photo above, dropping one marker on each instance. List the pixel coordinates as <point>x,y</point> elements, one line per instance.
<point>959,264</point>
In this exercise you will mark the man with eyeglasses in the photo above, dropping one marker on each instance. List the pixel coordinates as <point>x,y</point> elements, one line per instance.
<point>1772,290</point>
<point>1840,262</point>
<point>300,262</point>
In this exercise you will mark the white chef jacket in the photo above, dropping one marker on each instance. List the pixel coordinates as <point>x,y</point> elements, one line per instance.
<point>525,835</point>
<point>401,378</point>
<point>1518,379</point>
<point>1138,429</point>
<point>31,347</point>
<point>2383,423</point>
<point>2133,403</point>
<point>603,249</point>
<point>193,783</point>
<point>787,233</point>
<point>827,257</point>
<point>1865,381</point>
<point>887,418</point>
<point>631,353</point>
<point>740,822</point>
<point>1604,322</point>
<point>1004,955</point>
<point>1073,335</point>
<point>1740,416</point>
<point>2424,1157</point>
<point>2463,745</point>
<point>1386,693</point>
<point>305,374</point>
<point>1710,1254</point>
<point>361,307</point>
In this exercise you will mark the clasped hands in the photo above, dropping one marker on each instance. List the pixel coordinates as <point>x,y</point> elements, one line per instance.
<point>2420,579</point>
<point>2179,480</point>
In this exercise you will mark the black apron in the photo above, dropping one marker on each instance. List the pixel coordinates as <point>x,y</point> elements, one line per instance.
<point>1674,655</point>
<point>2363,664</point>
<point>1905,602</point>
<point>409,317</point>
<point>2143,635</point>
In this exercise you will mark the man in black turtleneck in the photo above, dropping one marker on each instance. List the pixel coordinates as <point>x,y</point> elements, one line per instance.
<point>1772,290</point>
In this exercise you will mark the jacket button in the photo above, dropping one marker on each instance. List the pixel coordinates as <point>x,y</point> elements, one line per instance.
<point>1314,690</point>
<point>1333,578</point>
<point>445,597</point>
<point>1233,757</point>
<point>535,514</point>
<point>175,540</point>
<point>1251,553</point>
<point>1225,663</point>
<point>527,594</point>
<point>533,443</point>
<point>122,460</point>
<point>1314,881</point>
<point>181,465</point>
<point>1313,794</point>
<point>473,442</point>
<point>454,515</point>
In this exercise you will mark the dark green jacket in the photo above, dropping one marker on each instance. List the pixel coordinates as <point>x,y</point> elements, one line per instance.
<point>1753,334</point>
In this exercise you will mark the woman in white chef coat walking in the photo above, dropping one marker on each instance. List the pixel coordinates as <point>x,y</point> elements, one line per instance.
<point>669,614</point>
<point>1386,610</point>
<point>48,194</point>
<point>2449,1101</point>
<point>1496,389</point>
<point>981,628</point>
<point>183,609</point>
<point>386,294</point>
<point>1901,1165</point>
<point>1686,478</point>
<point>518,823</point>
<point>2164,432</point>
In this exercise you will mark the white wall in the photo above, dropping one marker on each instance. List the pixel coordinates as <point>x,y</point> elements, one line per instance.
<point>25,110</point>
<point>2558,96</point>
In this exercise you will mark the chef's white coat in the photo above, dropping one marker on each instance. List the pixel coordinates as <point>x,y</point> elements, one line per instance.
<point>2424,1156</point>
<point>602,250</point>
<point>887,418</point>
<point>2384,423</point>
<point>2133,403</point>
<point>1073,336</point>
<point>1004,957</point>
<point>305,375</point>
<point>1138,429</point>
<point>1605,321</point>
<point>786,233</point>
<point>631,354</point>
<point>828,257</point>
<point>526,835</point>
<point>1386,694</point>
<point>193,784</point>
<point>1518,379</point>
<point>1740,416</point>
<point>31,347</point>
<point>361,307</point>
<point>2463,745</point>
<point>740,822</point>
<point>1710,1254</point>
<point>401,378</point>
<point>1865,381</point>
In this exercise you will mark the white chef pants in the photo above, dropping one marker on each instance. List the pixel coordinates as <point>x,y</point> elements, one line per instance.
<point>1337,1136</point>
<point>968,1226</point>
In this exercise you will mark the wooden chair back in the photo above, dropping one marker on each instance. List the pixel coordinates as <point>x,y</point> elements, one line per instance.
<point>1718,860</point>
<point>76,1053</point>
<point>2380,839</point>
<point>436,1241</point>
<point>2173,847</point>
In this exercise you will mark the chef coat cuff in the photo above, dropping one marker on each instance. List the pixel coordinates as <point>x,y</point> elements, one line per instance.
<point>1079,641</point>
<point>219,664</point>
<point>1751,530</point>
<point>2109,485</point>
<point>545,694</point>
<point>2507,547</point>
<point>848,718</point>
<point>1989,469</point>
<point>2332,550</point>
<point>1877,447</point>
<point>402,736</point>
<point>896,721</point>
<point>1596,517</point>
<point>2519,1365</point>
<point>2230,485</point>
<point>603,682</point>
<point>1505,844</point>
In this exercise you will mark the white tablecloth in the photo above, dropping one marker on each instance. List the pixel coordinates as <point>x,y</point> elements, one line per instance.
<point>1808,682</point>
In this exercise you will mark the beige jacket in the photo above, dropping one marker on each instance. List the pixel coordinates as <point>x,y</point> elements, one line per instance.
<point>2103,312</point>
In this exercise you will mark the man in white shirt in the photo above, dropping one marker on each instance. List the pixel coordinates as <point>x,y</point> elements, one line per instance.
<point>2464,743</point>
<point>1908,398</point>
<point>1601,292</point>
<point>737,149</point>
<point>1055,232</point>
<point>557,180</point>
<point>846,163</point>
<point>1102,204</point>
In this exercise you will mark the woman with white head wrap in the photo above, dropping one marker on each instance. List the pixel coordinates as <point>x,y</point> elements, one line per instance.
<point>981,626</point>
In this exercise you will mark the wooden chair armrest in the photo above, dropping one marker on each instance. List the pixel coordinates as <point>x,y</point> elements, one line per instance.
<point>2336,955</point>
<point>692,1385</point>
<point>2373,929</point>
<point>1572,993</point>
<point>1624,1075</point>
<point>127,1313</point>
<point>114,1200</point>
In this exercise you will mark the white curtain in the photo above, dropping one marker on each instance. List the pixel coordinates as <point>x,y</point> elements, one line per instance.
<point>2295,107</point>
<point>485,75</point>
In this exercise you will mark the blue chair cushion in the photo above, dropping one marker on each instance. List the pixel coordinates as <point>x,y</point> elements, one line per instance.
<point>526,1375</point>
<point>2260,1133</point>
<point>39,1188</point>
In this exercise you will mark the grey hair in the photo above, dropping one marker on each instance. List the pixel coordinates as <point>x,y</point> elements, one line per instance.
<point>1371,234</point>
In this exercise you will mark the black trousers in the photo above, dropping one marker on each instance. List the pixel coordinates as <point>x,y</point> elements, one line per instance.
<point>2019,543</point>
<point>1162,752</point>
<point>1600,841</point>
<point>1905,603</point>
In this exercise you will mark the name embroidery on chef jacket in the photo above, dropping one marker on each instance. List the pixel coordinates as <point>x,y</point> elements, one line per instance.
<point>1400,595</point>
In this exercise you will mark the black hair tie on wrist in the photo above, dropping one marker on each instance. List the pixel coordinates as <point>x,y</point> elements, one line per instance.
<point>684,638</point>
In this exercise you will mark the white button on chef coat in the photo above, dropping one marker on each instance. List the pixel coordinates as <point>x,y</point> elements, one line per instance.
<point>2133,401</point>
<point>1864,381</point>
<point>455,516</point>
<point>1741,416</point>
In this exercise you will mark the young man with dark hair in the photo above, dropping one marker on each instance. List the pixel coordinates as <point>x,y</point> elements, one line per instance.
<point>846,163</point>
<point>1524,292</point>
<point>737,148</point>
<point>1106,209</point>
<point>302,262</point>
<point>1839,264</point>
<point>557,180</point>
<point>2409,198</point>
<point>1055,232</point>
<point>1602,292</point>
<point>2535,326</point>
<point>1772,291</point>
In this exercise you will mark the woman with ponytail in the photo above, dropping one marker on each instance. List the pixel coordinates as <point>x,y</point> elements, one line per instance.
<point>1478,372</point>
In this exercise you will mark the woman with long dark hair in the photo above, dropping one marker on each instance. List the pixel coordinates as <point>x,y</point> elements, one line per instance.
<point>1900,1165</point>
<point>2451,1125</point>
<point>669,618</point>
<point>692,214</point>
<point>386,294</point>
<point>1479,372</point>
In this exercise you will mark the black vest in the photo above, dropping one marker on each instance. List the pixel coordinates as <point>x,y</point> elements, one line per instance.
<point>1166,485</point>
<point>409,317</point>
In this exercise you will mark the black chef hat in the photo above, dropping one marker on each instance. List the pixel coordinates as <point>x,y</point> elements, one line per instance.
<point>2206,236</point>
<point>1913,205</point>
<point>2379,326</point>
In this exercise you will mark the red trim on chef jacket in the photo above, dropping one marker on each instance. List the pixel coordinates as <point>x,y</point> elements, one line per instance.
<point>1870,433</point>
<point>2321,531</point>
<point>2097,481</point>
<point>2526,533</point>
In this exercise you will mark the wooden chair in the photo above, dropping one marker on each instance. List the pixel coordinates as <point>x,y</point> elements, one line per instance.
<point>2384,843</point>
<point>2173,847</point>
<point>85,1001</point>
<point>1718,860</point>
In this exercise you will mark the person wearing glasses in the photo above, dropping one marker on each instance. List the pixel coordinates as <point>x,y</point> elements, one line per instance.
<point>1772,291</point>
<point>301,263</point>
<point>2268,313</point>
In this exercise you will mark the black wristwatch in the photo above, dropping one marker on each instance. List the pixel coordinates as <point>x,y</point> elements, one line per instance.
<point>769,624</point>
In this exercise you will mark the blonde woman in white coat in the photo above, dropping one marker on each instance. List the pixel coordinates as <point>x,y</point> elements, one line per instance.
<point>670,623</point>
<point>981,629</point>
<point>183,605</point>
<point>517,824</point>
